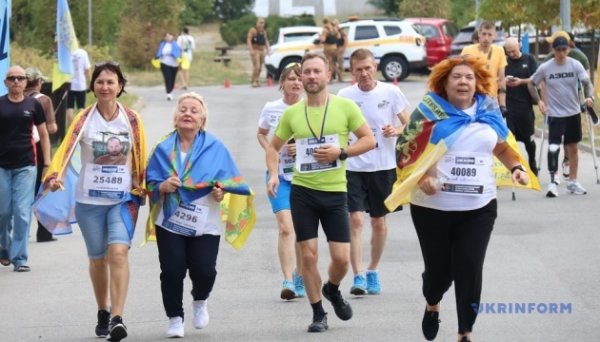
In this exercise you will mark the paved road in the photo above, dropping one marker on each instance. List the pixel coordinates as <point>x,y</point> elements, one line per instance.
<point>543,251</point>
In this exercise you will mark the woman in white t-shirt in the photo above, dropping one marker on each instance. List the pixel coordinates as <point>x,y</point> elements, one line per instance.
<point>107,194</point>
<point>287,249</point>
<point>453,203</point>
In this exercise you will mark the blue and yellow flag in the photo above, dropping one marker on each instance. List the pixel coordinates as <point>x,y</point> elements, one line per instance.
<point>5,6</point>
<point>208,163</point>
<point>433,127</point>
<point>66,44</point>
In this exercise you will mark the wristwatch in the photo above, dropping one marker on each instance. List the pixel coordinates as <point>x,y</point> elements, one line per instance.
<point>343,154</point>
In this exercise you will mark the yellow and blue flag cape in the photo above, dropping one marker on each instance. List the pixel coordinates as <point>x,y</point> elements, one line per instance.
<point>432,129</point>
<point>56,210</point>
<point>208,163</point>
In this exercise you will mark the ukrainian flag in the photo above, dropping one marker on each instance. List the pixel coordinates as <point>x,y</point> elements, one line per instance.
<point>5,7</point>
<point>66,44</point>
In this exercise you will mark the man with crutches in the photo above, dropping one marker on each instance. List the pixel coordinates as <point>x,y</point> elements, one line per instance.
<point>561,76</point>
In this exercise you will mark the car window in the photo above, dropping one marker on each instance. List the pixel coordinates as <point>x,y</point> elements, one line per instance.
<point>392,30</point>
<point>298,36</point>
<point>366,32</point>
<point>463,37</point>
<point>429,31</point>
<point>449,29</point>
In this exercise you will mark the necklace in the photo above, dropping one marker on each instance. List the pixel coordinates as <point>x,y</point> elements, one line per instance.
<point>114,114</point>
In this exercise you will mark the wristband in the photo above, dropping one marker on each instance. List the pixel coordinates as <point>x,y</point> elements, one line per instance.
<point>518,167</point>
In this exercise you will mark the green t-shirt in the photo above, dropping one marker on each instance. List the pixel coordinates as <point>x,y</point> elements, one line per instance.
<point>573,53</point>
<point>343,117</point>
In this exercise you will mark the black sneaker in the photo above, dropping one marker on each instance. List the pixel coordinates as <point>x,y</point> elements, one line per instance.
<point>118,330</point>
<point>342,308</point>
<point>430,324</point>
<point>319,324</point>
<point>102,326</point>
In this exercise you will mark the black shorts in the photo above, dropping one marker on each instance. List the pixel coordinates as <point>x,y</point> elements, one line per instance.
<point>76,97</point>
<point>569,127</point>
<point>309,207</point>
<point>368,190</point>
<point>521,121</point>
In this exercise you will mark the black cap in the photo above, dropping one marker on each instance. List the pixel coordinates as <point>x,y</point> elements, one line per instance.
<point>560,42</point>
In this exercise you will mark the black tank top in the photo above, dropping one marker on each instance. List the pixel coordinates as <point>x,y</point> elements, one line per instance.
<point>259,39</point>
<point>331,39</point>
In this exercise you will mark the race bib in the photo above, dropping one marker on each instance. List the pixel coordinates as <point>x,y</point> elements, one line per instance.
<point>305,162</point>
<point>286,164</point>
<point>189,219</point>
<point>465,173</point>
<point>377,135</point>
<point>106,181</point>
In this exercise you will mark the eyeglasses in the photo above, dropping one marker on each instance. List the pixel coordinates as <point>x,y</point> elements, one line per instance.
<point>16,78</point>
<point>292,65</point>
<point>103,63</point>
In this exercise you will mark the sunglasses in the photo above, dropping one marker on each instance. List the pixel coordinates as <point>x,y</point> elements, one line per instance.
<point>16,78</point>
<point>111,63</point>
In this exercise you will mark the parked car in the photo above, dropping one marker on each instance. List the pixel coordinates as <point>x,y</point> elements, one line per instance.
<point>439,33</point>
<point>296,33</point>
<point>396,44</point>
<point>463,38</point>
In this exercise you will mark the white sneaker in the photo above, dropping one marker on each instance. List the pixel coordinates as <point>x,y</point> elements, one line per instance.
<point>575,188</point>
<point>200,314</point>
<point>176,327</point>
<point>169,97</point>
<point>552,190</point>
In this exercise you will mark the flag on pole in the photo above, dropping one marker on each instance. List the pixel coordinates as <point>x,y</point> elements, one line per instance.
<point>66,43</point>
<point>597,78</point>
<point>5,6</point>
<point>525,43</point>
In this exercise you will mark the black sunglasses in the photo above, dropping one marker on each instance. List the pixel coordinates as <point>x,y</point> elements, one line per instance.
<point>16,78</point>
<point>101,64</point>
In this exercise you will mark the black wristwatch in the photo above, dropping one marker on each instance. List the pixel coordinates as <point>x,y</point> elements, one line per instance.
<point>343,154</point>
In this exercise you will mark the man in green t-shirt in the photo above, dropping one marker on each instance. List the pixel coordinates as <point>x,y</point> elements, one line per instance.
<point>320,125</point>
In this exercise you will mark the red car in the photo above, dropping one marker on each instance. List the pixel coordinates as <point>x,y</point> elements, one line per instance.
<point>439,33</point>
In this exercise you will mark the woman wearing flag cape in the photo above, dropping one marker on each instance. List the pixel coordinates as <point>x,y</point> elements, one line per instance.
<point>104,198</point>
<point>188,174</point>
<point>446,171</point>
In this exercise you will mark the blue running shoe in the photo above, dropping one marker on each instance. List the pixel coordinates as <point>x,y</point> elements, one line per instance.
<point>373,284</point>
<point>287,290</point>
<point>299,285</point>
<point>359,287</point>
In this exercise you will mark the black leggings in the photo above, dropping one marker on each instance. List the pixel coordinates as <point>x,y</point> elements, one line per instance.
<point>453,244</point>
<point>169,75</point>
<point>177,254</point>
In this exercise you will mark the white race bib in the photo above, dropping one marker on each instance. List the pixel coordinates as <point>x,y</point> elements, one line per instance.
<point>106,181</point>
<point>305,162</point>
<point>465,173</point>
<point>286,164</point>
<point>377,134</point>
<point>189,219</point>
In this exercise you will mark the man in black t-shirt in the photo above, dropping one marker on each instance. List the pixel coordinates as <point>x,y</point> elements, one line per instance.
<point>18,115</point>
<point>519,103</point>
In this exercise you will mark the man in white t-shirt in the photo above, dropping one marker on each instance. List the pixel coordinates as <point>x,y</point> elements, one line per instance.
<point>79,86</point>
<point>372,174</point>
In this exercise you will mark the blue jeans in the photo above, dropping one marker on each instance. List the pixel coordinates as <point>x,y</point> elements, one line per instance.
<point>101,225</point>
<point>17,187</point>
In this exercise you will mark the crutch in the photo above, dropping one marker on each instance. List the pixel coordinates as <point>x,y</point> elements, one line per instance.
<point>539,161</point>
<point>592,114</point>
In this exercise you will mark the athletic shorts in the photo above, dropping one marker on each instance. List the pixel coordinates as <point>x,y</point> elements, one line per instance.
<point>76,97</point>
<point>309,207</point>
<point>521,122</point>
<point>101,225</point>
<point>368,190</point>
<point>282,200</point>
<point>569,127</point>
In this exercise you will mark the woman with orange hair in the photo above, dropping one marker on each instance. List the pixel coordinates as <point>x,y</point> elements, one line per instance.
<point>445,160</point>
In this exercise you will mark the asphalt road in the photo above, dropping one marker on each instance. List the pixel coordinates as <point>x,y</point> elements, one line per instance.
<point>543,255</point>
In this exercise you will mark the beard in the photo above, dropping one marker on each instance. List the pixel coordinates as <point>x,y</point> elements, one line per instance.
<point>312,88</point>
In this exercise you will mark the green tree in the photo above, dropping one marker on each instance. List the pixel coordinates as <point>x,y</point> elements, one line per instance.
<point>195,12</point>
<point>424,8</point>
<point>462,12</point>
<point>232,9</point>
<point>389,7</point>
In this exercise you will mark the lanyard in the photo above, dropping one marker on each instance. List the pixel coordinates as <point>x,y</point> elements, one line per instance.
<point>322,123</point>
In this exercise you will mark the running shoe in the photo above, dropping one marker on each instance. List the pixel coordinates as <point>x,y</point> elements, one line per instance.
<point>341,307</point>
<point>319,323</point>
<point>552,190</point>
<point>287,290</point>
<point>299,285</point>
<point>176,328</point>
<point>200,308</point>
<point>102,325</point>
<point>373,284</point>
<point>359,287</point>
<point>117,330</point>
<point>430,324</point>
<point>575,188</point>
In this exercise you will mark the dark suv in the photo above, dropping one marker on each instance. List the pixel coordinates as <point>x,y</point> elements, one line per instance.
<point>463,38</point>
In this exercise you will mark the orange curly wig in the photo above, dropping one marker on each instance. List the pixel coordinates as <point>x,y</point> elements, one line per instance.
<point>439,74</point>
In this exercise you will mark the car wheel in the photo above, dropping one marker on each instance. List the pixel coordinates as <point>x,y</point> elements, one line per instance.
<point>285,63</point>
<point>394,67</point>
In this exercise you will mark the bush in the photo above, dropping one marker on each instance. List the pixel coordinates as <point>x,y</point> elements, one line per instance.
<point>234,32</point>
